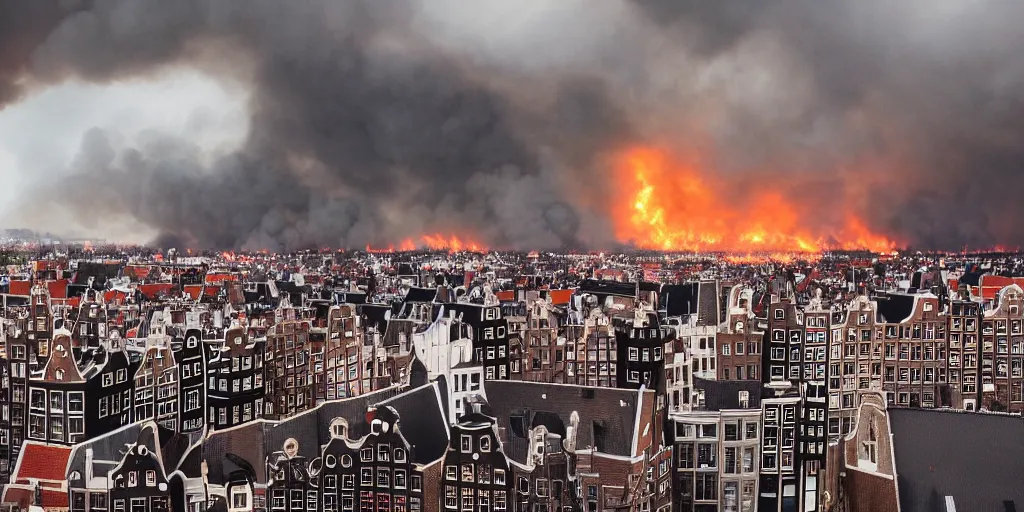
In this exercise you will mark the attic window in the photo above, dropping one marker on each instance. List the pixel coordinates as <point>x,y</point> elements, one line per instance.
<point>928,306</point>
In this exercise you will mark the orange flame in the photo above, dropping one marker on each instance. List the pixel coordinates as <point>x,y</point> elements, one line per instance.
<point>228,255</point>
<point>378,250</point>
<point>452,243</point>
<point>674,208</point>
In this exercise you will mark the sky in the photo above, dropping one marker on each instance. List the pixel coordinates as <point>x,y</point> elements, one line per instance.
<point>41,135</point>
<point>281,125</point>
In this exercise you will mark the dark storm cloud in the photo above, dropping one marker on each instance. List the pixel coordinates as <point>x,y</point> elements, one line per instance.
<point>369,126</point>
<point>937,86</point>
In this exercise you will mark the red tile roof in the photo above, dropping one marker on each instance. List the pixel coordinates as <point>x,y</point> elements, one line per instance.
<point>52,499</point>
<point>58,289</point>
<point>20,288</point>
<point>42,462</point>
<point>991,285</point>
<point>560,296</point>
<point>114,296</point>
<point>152,291</point>
<point>193,290</point>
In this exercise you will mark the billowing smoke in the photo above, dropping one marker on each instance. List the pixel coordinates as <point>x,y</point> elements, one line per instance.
<point>374,121</point>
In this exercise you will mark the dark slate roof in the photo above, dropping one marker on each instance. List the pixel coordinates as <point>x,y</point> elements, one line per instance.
<point>107,447</point>
<point>605,423</point>
<point>604,288</point>
<point>175,447</point>
<point>422,422</point>
<point>347,297</point>
<point>420,408</point>
<point>971,278</point>
<point>977,458</point>
<point>894,307</point>
<point>679,299</point>
<point>725,394</point>
<point>707,303</point>
<point>111,447</point>
<point>416,294</point>
<point>374,314</point>
<point>100,272</point>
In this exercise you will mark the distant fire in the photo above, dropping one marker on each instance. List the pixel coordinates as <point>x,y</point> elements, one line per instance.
<point>436,242</point>
<point>452,243</point>
<point>674,207</point>
<point>775,257</point>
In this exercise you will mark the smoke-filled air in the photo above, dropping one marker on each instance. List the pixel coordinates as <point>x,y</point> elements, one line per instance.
<point>681,125</point>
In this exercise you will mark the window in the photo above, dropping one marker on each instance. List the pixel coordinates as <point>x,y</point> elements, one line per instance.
<point>451,497</point>
<point>707,454</point>
<point>150,478</point>
<point>400,479</point>
<point>732,432</point>
<point>56,401</point>
<point>499,477</point>
<point>634,354</point>
<point>467,472</point>
<point>383,477</point>
<point>707,485</point>
<point>485,444</point>
<point>133,479</point>
<point>751,430</point>
<point>731,463</point>
<point>542,487</point>
<point>726,348</point>
<point>450,473</point>
<point>239,498</point>
<point>399,455</point>
<point>38,400</point>
<point>466,444</point>
<point>684,456</point>
<point>748,460</point>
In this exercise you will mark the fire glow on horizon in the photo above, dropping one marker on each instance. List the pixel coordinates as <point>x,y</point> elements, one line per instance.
<point>434,242</point>
<point>674,207</point>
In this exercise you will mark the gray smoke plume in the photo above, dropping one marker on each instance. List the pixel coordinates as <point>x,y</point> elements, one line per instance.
<point>372,121</point>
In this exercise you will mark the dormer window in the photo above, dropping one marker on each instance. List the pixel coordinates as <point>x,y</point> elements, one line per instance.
<point>59,374</point>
